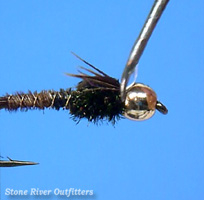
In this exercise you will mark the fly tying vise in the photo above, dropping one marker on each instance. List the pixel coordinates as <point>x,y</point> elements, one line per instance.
<point>15,163</point>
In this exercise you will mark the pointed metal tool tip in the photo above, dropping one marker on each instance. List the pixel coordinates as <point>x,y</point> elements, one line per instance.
<point>15,163</point>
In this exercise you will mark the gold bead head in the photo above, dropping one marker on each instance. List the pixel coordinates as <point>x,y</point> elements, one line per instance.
<point>140,102</point>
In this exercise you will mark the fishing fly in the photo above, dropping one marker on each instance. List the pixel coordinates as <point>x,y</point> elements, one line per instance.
<point>99,96</point>
<point>96,97</point>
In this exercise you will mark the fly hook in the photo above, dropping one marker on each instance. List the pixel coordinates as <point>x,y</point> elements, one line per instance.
<point>141,42</point>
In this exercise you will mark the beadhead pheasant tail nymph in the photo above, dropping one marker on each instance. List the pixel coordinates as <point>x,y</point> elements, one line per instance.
<point>96,98</point>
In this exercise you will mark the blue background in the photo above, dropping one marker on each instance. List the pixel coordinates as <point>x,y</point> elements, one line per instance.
<point>161,158</point>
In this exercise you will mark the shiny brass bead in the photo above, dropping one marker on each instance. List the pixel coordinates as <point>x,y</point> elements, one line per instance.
<point>140,102</point>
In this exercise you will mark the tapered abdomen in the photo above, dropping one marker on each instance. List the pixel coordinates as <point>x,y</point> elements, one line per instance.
<point>42,100</point>
<point>95,104</point>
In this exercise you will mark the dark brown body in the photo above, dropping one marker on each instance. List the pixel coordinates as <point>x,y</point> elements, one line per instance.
<point>95,98</point>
